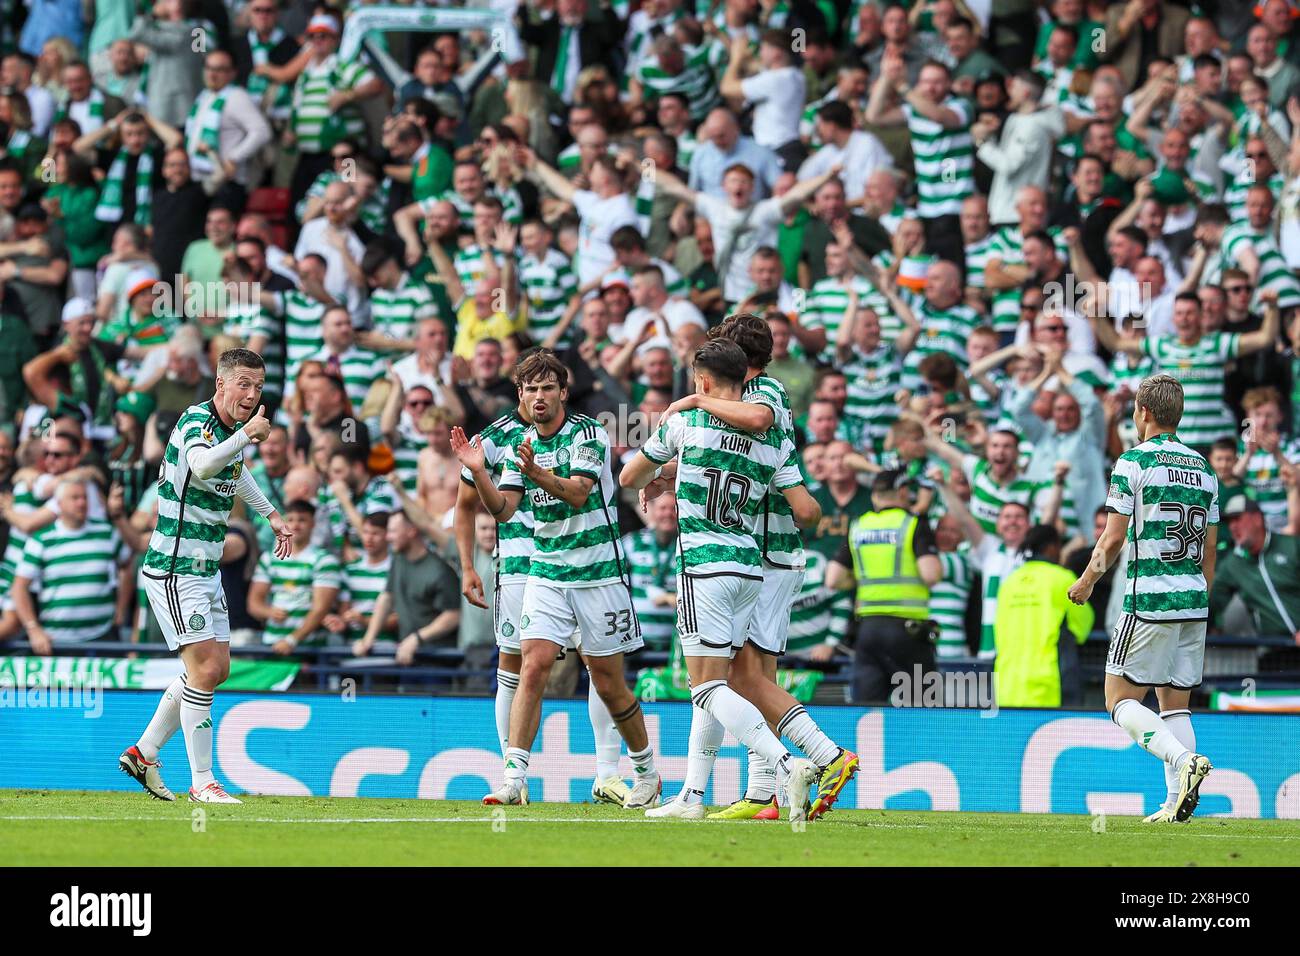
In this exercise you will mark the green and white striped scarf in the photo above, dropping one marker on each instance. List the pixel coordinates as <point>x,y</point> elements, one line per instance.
<point>110,198</point>
<point>96,110</point>
<point>258,85</point>
<point>19,140</point>
<point>208,131</point>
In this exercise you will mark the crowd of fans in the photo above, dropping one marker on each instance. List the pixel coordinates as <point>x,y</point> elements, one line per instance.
<point>973,228</point>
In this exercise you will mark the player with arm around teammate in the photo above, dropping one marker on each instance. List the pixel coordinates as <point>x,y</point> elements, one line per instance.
<point>202,474</point>
<point>1159,641</point>
<point>577,575</point>
<point>763,406</point>
<point>722,478</point>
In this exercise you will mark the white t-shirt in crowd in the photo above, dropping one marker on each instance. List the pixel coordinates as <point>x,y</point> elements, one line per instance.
<point>759,230</point>
<point>778,95</point>
<point>861,156</point>
<point>600,219</point>
<point>674,314</point>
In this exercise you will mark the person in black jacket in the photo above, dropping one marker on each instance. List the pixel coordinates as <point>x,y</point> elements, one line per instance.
<point>587,41</point>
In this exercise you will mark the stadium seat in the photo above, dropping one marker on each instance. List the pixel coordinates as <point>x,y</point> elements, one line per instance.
<point>273,203</point>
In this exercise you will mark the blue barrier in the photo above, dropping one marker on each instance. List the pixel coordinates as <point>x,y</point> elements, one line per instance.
<point>398,746</point>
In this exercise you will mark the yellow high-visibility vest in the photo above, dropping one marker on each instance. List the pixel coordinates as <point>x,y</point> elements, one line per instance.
<point>888,580</point>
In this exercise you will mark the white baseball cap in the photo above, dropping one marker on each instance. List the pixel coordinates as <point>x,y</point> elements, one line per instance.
<point>77,307</point>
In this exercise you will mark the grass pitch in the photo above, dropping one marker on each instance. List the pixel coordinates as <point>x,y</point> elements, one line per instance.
<point>61,828</point>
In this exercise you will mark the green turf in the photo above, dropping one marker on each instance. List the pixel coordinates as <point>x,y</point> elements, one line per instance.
<point>51,828</point>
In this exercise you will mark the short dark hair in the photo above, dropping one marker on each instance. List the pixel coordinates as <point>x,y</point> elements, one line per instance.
<point>1040,539</point>
<point>751,333</point>
<point>377,255</point>
<point>376,519</point>
<point>353,454</point>
<point>538,365</point>
<point>1136,235</point>
<point>627,239</point>
<point>723,359</point>
<point>837,113</point>
<point>1213,214</point>
<point>232,359</point>
<point>300,507</point>
<point>1224,444</point>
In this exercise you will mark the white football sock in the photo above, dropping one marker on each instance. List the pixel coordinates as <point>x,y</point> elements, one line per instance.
<point>609,742</point>
<point>516,766</point>
<point>196,721</point>
<point>741,718</point>
<point>701,752</point>
<point>807,736</point>
<point>507,684</point>
<point>1179,723</point>
<point>761,783</point>
<point>1149,731</point>
<point>643,763</point>
<point>166,721</point>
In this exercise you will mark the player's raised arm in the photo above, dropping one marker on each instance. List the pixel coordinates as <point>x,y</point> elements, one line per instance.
<point>500,505</point>
<point>208,462</point>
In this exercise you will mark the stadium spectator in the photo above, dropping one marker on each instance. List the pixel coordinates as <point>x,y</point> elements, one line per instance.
<point>423,591</point>
<point>293,596</point>
<point>72,564</point>
<point>1260,569</point>
<point>890,554</point>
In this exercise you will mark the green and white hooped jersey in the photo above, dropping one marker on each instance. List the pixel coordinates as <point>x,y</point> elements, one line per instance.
<point>25,501</point>
<point>1234,195</point>
<point>1008,245</point>
<point>873,381</point>
<point>818,614</point>
<point>944,160</point>
<point>945,330</point>
<point>948,600</point>
<point>698,82</point>
<point>75,571</point>
<point>311,94</point>
<point>513,205</point>
<point>988,497</point>
<point>406,454</point>
<point>828,302</point>
<point>978,254</point>
<point>1200,369</point>
<point>723,477</point>
<point>192,512</point>
<point>781,541</point>
<point>1264,484</point>
<point>363,581</point>
<point>360,369</point>
<point>1273,270</point>
<point>572,547</point>
<point>396,312</point>
<point>1171,496</point>
<point>251,320</point>
<point>514,537</point>
<point>302,332</point>
<point>292,581</point>
<point>377,497</point>
<point>548,283</point>
<point>652,566</point>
